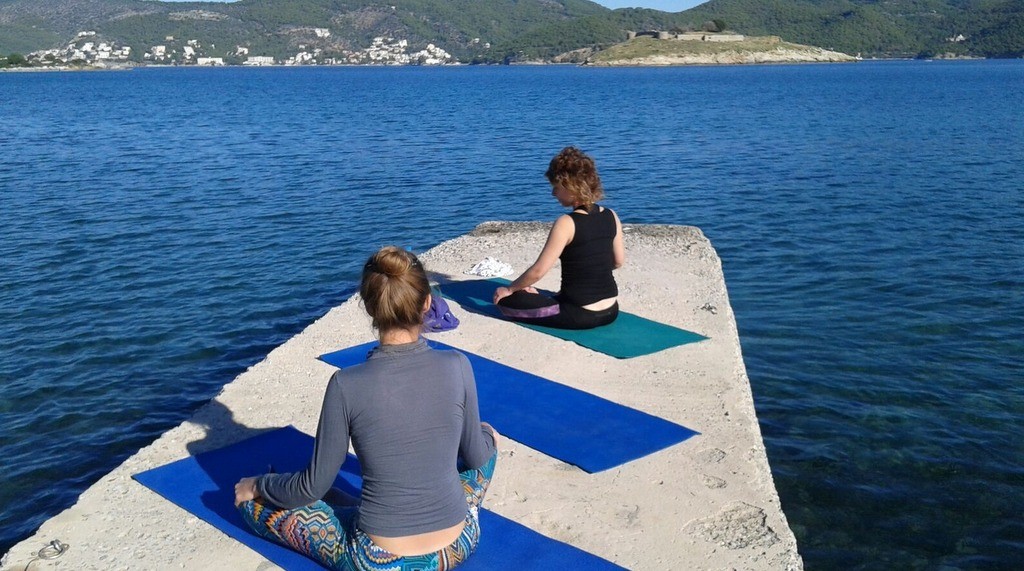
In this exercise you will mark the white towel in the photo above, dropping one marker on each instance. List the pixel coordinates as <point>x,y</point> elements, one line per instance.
<point>490,268</point>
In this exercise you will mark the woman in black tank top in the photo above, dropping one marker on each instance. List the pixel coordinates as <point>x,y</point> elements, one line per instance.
<point>588,240</point>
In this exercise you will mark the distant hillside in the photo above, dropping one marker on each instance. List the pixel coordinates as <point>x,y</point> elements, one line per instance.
<point>893,28</point>
<point>508,30</point>
<point>871,28</point>
<point>278,27</point>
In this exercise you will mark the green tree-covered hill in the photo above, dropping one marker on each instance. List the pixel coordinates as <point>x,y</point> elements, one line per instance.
<point>279,27</point>
<point>891,28</point>
<point>510,30</point>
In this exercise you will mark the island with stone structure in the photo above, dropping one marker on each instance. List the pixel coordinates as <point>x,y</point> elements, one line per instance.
<point>707,48</point>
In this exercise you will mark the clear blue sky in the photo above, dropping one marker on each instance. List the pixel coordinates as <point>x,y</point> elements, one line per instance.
<point>665,5</point>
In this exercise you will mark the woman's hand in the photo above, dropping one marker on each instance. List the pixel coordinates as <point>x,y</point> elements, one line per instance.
<point>245,490</point>
<point>501,293</point>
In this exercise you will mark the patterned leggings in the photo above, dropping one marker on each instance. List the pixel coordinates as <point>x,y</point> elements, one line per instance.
<point>334,539</point>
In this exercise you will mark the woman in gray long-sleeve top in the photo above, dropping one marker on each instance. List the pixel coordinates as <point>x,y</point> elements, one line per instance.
<point>412,416</point>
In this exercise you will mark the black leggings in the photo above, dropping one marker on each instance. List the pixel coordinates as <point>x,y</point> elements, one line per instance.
<point>538,309</point>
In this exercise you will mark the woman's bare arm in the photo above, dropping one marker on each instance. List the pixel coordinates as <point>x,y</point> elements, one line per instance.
<point>618,248</point>
<point>561,234</point>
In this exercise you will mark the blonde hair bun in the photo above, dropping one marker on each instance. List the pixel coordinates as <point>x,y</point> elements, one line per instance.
<point>391,262</point>
<point>394,289</point>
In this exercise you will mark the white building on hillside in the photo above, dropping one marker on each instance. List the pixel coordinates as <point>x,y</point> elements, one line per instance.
<point>259,60</point>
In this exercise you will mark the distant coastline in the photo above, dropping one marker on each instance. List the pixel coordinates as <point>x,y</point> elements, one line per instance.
<point>55,68</point>
<point>740,54</point>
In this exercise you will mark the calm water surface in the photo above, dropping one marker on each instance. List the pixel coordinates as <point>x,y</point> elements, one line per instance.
<point>163,229</point>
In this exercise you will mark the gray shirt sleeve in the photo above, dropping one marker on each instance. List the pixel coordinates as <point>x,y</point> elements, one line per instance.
<point>303,488</point>
<point>477,443</point>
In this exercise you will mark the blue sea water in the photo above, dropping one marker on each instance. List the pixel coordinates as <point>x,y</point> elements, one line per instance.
<point>163,229</point>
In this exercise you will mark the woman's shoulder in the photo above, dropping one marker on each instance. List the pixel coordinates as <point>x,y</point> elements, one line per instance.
<point>609,214</point>
<point>343,379</point>
<point>563,223</point>
<point>454,362</point>
<point>440,356</point>
<point>451,356</point>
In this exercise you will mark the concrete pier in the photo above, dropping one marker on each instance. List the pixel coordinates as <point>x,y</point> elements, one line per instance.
<point>706,503</point>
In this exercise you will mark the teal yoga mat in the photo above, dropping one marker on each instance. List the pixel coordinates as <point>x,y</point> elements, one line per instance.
<point>204,484</point>
<point>629,336</point>
<point>560,421</point>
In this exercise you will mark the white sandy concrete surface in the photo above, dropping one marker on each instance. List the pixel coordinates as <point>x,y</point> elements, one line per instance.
<point>707,503</point>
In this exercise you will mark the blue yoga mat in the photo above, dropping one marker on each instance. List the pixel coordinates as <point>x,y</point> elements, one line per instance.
<point>628,336</point>
<point>560,421</point>
<point>204,486</point>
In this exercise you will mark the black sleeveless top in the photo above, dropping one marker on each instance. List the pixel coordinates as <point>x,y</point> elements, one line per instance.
<point>588,260</point>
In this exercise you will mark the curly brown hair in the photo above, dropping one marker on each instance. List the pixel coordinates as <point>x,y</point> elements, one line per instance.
<point>394,289</point>
<point>576,172</point>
